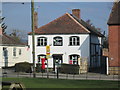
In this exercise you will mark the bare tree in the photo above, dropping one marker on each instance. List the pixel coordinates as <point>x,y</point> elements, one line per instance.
<point>18,34</point>
<point>91,24</point>
<point>2,24</point>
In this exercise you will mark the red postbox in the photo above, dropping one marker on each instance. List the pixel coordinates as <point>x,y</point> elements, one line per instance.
<point>70,62</point>
<point>43,63</point>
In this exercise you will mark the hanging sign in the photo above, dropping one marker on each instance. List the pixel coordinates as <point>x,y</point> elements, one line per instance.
<point>47,52</point>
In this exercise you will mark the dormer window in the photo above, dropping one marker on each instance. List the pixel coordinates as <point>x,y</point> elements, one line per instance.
<point>57,41</point>
<point>74,41</point>
<point>42,41</point>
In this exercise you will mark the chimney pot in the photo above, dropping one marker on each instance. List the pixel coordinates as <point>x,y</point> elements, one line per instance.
<point>76,12</point>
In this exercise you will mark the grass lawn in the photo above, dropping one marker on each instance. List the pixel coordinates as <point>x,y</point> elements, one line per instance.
<point>59,83</point>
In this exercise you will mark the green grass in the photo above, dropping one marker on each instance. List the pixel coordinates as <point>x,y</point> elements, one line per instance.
<point>59,83</point>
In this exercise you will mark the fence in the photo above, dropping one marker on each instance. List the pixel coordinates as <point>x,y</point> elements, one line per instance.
<point>82,73</point>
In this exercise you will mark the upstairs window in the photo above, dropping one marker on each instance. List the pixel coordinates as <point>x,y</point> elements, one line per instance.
<point>14,51</point>
<point>5,52</point>
<point>57,41</point>
<point>42,41</point>
<point>19,51</point>
<point>74,41</point>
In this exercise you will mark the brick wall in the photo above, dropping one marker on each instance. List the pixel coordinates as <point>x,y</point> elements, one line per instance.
<point>114,46</point>
<point>119,45</point>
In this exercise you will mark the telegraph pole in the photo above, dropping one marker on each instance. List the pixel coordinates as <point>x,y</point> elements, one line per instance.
<point>33,37</point>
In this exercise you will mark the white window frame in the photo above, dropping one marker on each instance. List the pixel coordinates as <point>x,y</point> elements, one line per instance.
<point>40,57</point>
<point>41,41</point>
<point>74,41</point>
<point>14,52</point>
<point>74,59</point>
<point>59,41</point>
<point>20,51</point>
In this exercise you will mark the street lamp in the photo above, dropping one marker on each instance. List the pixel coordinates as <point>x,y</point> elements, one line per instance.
<point>33,37</point>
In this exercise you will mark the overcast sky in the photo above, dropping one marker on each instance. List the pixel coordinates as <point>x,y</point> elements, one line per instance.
<point>18,16</point>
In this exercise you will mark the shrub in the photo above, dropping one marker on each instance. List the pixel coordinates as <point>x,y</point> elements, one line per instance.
<point>38,68</point>
<point>69,69</point>
<point>23,67</point>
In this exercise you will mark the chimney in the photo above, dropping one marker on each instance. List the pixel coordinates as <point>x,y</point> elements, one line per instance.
<point>35,20</point>
<point>1,32</point>
<point>76,12</point>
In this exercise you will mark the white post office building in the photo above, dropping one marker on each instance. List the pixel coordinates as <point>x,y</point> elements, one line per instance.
<point>69,38</point>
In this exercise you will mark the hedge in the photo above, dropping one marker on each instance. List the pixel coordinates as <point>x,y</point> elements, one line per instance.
<point>69,69</point>
<point>23,67</point>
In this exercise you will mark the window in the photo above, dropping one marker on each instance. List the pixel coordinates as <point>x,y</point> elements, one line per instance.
<point>57,41</point>
<point>73,59</point>
<point>74,41</point>
<point>40,57</point>
<point>14,51</point>
<point>19,51</point>
<point>42,41</point>
<point>5,52</point>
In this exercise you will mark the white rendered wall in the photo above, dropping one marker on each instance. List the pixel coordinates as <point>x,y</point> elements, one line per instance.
<point>12,60</point>
<point>66,50</point>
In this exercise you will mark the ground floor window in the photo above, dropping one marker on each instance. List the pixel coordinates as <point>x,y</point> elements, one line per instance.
<point>73,59</point>
<point>40,57</point>
<point>14,51</point>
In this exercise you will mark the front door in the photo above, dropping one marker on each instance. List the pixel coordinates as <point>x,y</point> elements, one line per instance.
<point>57,59</point>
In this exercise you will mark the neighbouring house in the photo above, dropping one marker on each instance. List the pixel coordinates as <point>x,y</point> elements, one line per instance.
<point>12,51</point>
<point>70,39</point>
<point>114,39</point>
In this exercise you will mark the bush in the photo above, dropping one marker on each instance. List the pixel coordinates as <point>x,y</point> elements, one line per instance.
<point>23,67</point>
<point>69,69</point>
<point>38,68</point>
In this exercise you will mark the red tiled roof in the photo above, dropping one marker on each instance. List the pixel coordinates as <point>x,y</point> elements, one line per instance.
<point>7,40</point>
<point>61,25</point>
<point>66,24</point>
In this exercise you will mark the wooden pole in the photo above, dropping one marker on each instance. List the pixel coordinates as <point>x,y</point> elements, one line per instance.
<point>33,37</point>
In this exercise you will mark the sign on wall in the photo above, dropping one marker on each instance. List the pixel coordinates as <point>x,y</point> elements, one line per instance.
<point>47,52</point>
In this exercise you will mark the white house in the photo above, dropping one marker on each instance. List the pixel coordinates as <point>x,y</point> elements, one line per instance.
<point>69,38</point>
<point>12,51</point>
